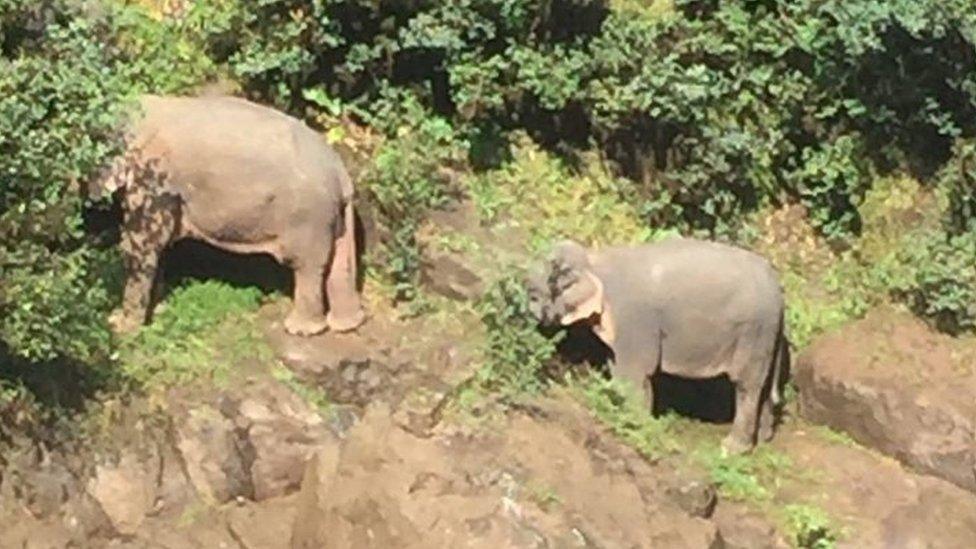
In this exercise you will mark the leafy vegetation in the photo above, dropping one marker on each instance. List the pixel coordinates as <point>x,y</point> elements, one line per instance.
<point>67,74</point>
<point>515,354</point>
<point>205,330</point>
<point>810,526</point>
<point>618,406</point>
<point>405,182</point>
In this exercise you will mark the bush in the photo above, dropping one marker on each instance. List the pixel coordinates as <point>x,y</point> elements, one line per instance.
<point>942,285</point>
<point>515,352</point>
<point>60,102</point>
<point>958,181</point>
<point>717,108</point>
<point>67,73</point>
<point>409,176</point>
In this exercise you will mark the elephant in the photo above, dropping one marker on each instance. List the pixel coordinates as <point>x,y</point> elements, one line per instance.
<point>691,308</point>
<point>242,177</point>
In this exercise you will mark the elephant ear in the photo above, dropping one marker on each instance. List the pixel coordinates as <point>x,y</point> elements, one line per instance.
<point>588,299</point>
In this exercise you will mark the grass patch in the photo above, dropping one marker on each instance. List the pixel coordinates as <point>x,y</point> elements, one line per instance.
<point>538,192</point>
<point>205,329</point>
<point>543,495</point>
<point>751,478</point>
<point>810,527</point>
<point>835,437</point>
<point>619,407</point>
<point>754,479</point>
<point>314,396</point>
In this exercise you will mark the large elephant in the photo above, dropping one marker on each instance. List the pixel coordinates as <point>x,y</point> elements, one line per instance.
<point>244,178</point>
<point>690,308</point>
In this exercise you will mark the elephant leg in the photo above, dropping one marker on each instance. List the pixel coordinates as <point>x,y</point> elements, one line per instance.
<point>749,374</point>
<point>741,439</point>
<point>149,224</point>
<point>767,420</point>
<point>307,316</point>
<point>345,308</point>
<point>636,364</point>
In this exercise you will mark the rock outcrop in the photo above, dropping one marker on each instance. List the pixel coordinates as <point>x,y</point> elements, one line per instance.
<point>894,385</point>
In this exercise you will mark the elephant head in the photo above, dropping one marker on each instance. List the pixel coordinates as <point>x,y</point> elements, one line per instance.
<point>564,290</point>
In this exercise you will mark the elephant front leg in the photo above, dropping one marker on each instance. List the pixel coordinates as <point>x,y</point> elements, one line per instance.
<point>345,307</point>
<point>635,364</point>
<point>148,226</point>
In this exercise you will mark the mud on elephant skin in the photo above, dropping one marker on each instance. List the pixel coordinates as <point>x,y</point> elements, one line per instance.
<point>684,307</point>
<point>243,178</point>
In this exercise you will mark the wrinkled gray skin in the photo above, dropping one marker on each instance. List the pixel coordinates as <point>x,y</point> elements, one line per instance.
<point>244,178</point>
<point>690,308</point>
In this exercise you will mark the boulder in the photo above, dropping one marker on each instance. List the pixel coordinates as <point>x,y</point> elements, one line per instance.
<point>448,274</point>
<point>282,431</point>
<point>214,455</point>
<point>894,385</point>
<point>126,490</point>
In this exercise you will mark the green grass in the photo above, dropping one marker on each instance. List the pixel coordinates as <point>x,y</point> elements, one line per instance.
<point>835,437</point>
<point>542,495</point>
<point>314,396</point>
<point>204,330</point>
<point>810,527</point>
<point>618,406</point>
<point>539,193</point>
<point>754,479</point>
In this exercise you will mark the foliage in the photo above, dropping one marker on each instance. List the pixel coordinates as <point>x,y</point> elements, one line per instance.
<point>405,181</point>
<point>622,409</point>
<point>958,180</point>
<point>810,526</point>
<point>515,353</point>
<point>540,194</point>
<point>716,108</point>
<point>204,330</point>
<point>66,74</point>
<point>750,477</point>
<point>59,103</point>
<point>315,396</point>
<point>942,284</point>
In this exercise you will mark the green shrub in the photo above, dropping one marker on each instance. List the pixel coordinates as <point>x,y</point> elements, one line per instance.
<point>958,181</point>
<point>620,407</point>
<point>404,182</point>
<point>204,330</point>
<point>810,527</point>
<point>538,192</point>
<point>715,108</point>
<point>942,286</point>
<point>515,353</point>
<point>60,101</point>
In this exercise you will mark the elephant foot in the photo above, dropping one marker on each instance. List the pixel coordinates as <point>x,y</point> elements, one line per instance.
<point>346,324</point>
<point>766,429</point>
<point>734,446</point>
<point>303,325</point>
<point>122,322</point>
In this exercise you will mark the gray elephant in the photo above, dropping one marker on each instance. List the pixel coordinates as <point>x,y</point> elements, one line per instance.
<point>690,308</point>
<point>244,178</point>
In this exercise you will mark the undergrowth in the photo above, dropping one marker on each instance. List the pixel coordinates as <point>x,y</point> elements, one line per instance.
<point>203,330</point>
<point>539,193</point>
<point>514,353</point>
<point>314,396</point>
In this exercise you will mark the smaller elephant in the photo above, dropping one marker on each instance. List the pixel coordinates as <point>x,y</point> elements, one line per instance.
<point>247,179</point>
<point>690,308</point>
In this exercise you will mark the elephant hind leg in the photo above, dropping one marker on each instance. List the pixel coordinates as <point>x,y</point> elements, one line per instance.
<point>749,373</point>
<point>345,307</point>
<point>307,316</point>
